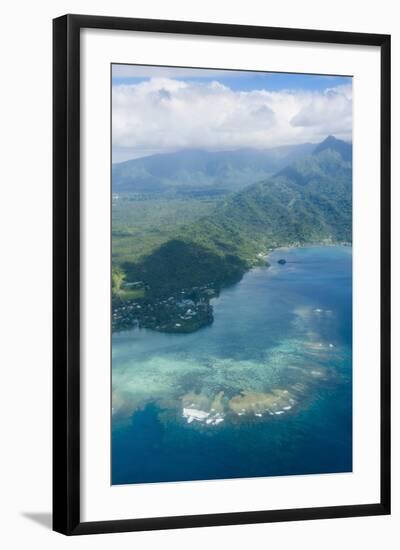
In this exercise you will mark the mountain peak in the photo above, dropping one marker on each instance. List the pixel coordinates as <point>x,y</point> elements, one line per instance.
<point>330,140</point>
<point>338,145</point>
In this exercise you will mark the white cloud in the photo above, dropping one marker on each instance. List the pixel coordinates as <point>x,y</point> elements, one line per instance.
<point>146,71</point>
<point>330,109</point>
<point>166,114</point>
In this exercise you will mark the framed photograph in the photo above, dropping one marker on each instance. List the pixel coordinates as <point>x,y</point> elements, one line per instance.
<point>221,274</point>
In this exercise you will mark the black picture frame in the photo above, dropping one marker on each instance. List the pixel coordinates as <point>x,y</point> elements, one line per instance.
<point>66,272</point>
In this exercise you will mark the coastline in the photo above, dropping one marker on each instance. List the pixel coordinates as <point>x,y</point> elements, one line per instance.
<point>189,310</point>
<point>277,346</point>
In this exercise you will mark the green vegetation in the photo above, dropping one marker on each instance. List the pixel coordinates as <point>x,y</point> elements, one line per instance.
<point>117,278</point>
<point>174,247</point>
<point>199,173</point>
<point>140,224</point>
<point>131,294</point>
<point>182,264</point>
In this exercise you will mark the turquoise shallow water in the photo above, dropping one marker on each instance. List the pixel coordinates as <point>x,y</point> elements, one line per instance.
<point>281,331</point>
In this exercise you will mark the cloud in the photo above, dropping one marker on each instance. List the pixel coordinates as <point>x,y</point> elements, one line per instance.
<point>166,114</point>
<point>331,109</point>
<point>150,71</point>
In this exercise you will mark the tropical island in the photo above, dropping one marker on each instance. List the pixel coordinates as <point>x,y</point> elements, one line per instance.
<point>176,245</point>
<point>232,321</point>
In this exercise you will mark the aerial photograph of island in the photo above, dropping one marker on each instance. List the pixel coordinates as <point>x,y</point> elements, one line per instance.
<point>231,282</point>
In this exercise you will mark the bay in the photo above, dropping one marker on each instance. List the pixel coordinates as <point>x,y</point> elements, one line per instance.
<point>275,366</point>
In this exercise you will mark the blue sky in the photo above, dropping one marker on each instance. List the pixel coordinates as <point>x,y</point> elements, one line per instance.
<point>238,80</point>
<point>165,109</point>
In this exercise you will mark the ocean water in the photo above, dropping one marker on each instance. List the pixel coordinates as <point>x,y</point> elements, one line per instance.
<point>274,370</point>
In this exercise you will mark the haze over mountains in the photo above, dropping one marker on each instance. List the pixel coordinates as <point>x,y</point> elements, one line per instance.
<point>192,171</point>
<point>308,200</point>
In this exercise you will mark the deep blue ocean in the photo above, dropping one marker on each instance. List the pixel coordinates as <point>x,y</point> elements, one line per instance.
<point>285,328</point>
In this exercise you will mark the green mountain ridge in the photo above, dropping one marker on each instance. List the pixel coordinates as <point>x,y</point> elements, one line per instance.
<point>308,201</point>
<point>195,171</point>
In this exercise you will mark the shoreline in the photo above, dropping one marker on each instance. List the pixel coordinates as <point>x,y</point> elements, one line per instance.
<point>189,310</point>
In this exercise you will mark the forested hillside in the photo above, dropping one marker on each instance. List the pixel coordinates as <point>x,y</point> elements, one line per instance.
<point>198,172</point>
<point>308,201</point>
